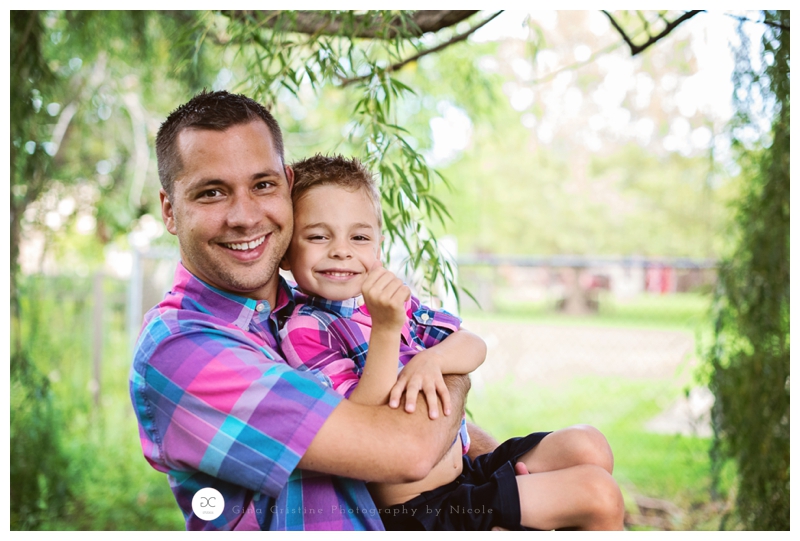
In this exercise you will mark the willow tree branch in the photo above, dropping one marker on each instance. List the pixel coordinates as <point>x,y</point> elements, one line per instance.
<point>455,39</point>
<point>358,26</point>
<point>768,23</point>
<point>636,49</point>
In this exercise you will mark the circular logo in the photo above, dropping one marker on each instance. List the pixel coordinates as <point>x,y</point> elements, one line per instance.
<point>207,503</point>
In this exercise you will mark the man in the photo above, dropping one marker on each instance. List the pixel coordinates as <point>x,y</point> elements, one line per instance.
<point>216,404</point>
<point>219,408</point>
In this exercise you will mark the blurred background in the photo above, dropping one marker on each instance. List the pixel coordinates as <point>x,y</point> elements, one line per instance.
<point>613,222</point>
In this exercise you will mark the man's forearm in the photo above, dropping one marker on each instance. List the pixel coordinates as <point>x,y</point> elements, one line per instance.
<point>480,442</point>
<point>379,443</point>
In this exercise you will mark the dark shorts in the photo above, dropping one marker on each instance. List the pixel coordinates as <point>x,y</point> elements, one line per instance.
<point>483,496</point>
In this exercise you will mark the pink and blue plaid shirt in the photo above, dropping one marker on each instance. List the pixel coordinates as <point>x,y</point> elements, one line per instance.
<point>330,339</point>
<point>219,407</point>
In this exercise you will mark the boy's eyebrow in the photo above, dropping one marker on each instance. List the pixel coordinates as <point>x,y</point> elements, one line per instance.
<point>323,225</point>
<point>318,224</point>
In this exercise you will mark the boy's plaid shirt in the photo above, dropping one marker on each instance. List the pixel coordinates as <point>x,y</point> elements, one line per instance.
<point>331,338</point>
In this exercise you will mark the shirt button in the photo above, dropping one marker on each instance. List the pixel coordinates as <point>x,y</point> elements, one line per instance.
<point>260,307</point>
<point>424,317</point>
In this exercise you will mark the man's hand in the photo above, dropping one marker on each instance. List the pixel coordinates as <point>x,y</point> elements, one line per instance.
<point>422,373</point>
<point>385,296</point>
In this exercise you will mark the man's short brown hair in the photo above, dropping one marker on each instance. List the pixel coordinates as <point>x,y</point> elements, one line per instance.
<point>335,170</point>
<point>217,111</point>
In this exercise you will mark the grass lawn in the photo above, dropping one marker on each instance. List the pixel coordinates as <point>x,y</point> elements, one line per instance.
<point>669,467</point>
<point>675,468</point>
<point>684,311</point>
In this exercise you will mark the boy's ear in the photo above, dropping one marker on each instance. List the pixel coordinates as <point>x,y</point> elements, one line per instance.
<point>284,264</point>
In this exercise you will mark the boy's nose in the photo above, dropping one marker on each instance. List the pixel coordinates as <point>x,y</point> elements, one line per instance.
<point>340,250</point>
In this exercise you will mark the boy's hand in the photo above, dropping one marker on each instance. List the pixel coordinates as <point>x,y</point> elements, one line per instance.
<point>385,296</point>
<point>422,373</point>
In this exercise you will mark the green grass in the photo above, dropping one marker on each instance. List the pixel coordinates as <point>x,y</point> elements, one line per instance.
<point>683,311</point>
<point>669,467</point>
<point>110,486</point>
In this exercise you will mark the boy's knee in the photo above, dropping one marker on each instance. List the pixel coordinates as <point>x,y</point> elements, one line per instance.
<point>606,507</point>
<point>590,446</point>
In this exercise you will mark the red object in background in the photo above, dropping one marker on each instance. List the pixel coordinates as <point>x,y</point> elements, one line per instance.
<point>659,279</point>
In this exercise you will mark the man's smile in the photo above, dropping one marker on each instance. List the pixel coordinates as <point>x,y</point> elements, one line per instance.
<point>245,245</point>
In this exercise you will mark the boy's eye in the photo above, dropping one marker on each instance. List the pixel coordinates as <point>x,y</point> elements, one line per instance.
<point>361,238</point>
<point>316,237</point>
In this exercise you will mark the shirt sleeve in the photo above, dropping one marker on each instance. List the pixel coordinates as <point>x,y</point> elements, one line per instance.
<point>433,326</point>
<point>214,401</point>
<point>309,344</point>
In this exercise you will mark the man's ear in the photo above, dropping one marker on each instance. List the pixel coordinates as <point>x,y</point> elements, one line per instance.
<point>289,176</point>
<point>167,212</point>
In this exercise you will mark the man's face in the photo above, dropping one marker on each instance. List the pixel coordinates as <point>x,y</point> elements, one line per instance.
<point>336,241</point>
<point>231,208</point>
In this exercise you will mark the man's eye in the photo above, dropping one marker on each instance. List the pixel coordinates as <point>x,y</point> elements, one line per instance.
<point>210,194</point>
<point>264,185</point>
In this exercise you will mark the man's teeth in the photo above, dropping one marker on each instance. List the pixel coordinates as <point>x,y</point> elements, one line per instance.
<point>246,245</point>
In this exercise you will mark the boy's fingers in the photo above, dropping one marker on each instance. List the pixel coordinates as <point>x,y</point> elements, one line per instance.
<point>433,401</point>
<point>396,393</point>
<point>444,394</point>
<point>412,391</point>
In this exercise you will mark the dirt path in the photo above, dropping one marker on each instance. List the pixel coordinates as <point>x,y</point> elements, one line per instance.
<point>550,354</point>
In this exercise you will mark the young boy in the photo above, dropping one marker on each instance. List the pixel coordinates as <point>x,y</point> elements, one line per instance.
<point>356,324</point>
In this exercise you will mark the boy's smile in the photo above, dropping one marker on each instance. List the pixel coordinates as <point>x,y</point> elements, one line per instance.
<point>336,240</point>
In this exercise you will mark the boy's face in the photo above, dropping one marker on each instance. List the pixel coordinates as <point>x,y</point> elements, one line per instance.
<point>335,242</point>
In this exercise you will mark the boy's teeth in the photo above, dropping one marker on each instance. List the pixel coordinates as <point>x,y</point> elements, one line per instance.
<point>246,245</point>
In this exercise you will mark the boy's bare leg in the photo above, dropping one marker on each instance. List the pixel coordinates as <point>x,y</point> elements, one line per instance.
<point>573,446</point>
<point>583,497</point>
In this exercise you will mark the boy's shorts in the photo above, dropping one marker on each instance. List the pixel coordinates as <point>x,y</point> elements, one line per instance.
<point>483,496</point>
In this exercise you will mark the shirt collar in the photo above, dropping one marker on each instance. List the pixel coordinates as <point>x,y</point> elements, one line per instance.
<point>229,306</point>
<point>345,308</point>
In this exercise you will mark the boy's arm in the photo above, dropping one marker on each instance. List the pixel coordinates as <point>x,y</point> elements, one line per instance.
<point>380,368</point>
<point>385,296</point>
<point>460,353</point>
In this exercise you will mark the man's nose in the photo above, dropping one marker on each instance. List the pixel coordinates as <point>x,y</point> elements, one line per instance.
<point>245,212</point>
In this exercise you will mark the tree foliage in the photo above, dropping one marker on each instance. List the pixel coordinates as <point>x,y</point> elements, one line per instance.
<point>750,354</point>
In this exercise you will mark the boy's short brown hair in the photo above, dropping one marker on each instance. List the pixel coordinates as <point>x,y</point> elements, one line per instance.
<point>335,170</point>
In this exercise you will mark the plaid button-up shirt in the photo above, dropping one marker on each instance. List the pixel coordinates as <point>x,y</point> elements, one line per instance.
<point>219,407</point>
<point>331,338</point>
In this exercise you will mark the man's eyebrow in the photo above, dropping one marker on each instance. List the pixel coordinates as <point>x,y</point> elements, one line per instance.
<point>205,183</point>
<point>269,173</point>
